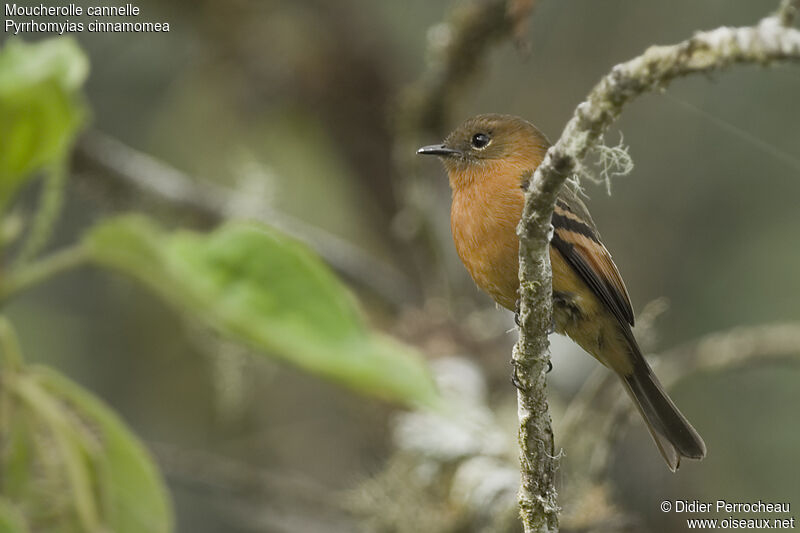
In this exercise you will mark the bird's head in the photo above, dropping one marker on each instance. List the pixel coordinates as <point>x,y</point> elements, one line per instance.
<point>489,145</point>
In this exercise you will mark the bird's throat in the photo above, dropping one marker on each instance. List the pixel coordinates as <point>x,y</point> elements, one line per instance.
<point>483,219</point>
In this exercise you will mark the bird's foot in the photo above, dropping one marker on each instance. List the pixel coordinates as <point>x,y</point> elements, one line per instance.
<point>515,376</point>
<point>516,314</point>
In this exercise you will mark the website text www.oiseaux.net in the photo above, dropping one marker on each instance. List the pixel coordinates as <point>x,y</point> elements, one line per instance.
<point>759,507</point>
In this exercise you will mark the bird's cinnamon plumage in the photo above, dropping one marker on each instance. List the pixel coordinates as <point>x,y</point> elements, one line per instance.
<point>488,160</point>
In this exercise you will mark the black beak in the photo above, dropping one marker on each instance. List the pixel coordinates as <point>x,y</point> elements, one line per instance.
<point>438,149</point>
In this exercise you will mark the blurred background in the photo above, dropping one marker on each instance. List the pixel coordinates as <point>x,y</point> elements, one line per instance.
<point>310,111</point>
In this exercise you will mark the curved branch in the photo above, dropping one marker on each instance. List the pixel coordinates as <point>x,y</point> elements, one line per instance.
<point>769,41</point>
<point>141,172</point>
<point>456,50</point>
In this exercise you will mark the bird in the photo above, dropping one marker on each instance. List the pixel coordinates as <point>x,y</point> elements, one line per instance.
<point>490,159</point>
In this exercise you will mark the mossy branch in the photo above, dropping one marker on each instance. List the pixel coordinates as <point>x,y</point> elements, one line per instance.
<point>770,41</point>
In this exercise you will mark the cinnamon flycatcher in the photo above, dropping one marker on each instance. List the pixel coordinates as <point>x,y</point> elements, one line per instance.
<point>489,160</point>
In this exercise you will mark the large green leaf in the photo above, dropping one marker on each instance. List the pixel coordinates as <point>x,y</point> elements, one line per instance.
<point>256,285</point>
<point>41,108</point>
<point>76,466</point>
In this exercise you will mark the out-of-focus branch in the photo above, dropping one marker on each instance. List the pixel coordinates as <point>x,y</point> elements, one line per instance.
<point>254,498</point>
<point>769,41</point>
<point>146,174</point>
<point>787,11</point>
<point>600,400</point>
<point>21,279</point>
<point>455,52</point>
<point>226,475</point>
<point>461,457</point>
<point>457,458</point>
<point>736,347</point>
<point>456,49</point>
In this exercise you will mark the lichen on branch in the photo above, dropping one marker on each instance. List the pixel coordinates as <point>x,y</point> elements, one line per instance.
<point>770,41</point>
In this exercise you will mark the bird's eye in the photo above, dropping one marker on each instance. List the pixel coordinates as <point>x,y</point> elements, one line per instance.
<point>480,140</point>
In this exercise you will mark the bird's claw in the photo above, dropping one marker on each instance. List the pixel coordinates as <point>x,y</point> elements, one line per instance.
<point>515,374</point>
<point>515,377</point>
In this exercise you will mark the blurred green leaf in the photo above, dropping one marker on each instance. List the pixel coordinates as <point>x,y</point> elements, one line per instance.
<point>11,520</point>
<point>135,498</point>
<point>256,285</point>
<point>87,472</point>
<point>41,108</point>
<point>17,460</point>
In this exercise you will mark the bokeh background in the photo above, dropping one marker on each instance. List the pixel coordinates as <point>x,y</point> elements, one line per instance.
<point>300,106</point>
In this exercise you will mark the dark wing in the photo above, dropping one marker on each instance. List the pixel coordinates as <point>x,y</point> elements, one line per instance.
<point>576,237</point>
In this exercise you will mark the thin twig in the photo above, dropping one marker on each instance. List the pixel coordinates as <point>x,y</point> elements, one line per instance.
<point>729,349</point>
<point>147,174</point>
<point>42,269</point>
<point>228,475</point>
<point>767,42</point>
<point>255,498</point>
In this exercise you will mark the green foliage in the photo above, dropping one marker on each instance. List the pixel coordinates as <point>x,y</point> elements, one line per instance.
<point>11,521</point>
<point>253,284</point>
<point>68,463</point>
<point>41,107</point>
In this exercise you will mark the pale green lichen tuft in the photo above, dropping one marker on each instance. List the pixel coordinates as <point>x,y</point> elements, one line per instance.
<point>612,161</point>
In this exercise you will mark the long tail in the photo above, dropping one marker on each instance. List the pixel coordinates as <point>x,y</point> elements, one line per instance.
<point>672,433</point>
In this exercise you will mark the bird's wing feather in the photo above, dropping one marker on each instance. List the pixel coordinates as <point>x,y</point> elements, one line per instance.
<point>576,237</point>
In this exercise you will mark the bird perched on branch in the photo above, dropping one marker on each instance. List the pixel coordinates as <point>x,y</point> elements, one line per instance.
<point>489,160</point>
